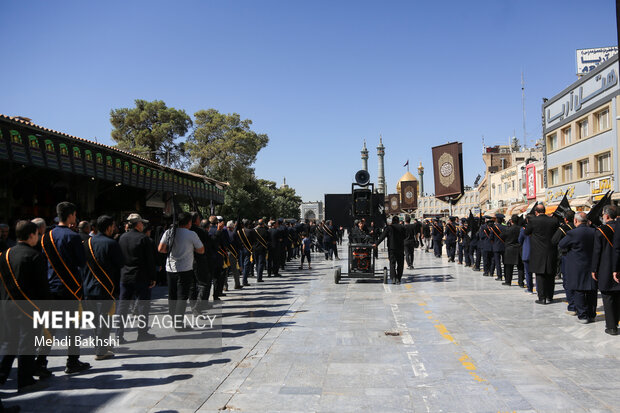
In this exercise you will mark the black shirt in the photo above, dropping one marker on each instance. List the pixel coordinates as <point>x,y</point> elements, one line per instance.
<point>139,257</point>
<point>30,270</point>
<point>109,256</point>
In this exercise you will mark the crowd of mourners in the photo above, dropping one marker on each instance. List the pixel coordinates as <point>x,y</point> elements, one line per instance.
<point>107,266</point>
<point>581,250</point>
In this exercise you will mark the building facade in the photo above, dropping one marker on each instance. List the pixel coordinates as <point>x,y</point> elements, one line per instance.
<point>312,211</point>
<point>431,206</point>
<point>581,137</point>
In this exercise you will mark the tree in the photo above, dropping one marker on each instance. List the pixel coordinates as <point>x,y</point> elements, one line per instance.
<point>151,130</point>
<point>224,147</point>
<point>286,203</point>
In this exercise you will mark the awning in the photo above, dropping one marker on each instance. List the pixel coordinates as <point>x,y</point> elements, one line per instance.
<point>515,209</point>
<point>580,202</point>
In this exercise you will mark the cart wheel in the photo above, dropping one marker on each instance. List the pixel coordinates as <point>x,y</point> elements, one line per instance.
<point>385,275</point>
<point>337,275</point>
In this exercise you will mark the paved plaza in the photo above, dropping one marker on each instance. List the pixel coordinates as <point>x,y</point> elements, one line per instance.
<point>446,339</point>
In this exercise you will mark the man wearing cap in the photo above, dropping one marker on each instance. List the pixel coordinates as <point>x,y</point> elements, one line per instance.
<point>463,242</point>
<point>138,275</point>
<point>474,246</point>
<point>542,253</point>
<point>560,233</point>
<point>451,238</point>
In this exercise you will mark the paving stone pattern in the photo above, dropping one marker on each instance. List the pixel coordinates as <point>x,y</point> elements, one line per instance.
<point>460,342</point>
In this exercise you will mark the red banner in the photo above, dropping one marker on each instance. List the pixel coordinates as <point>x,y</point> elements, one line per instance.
<point>530,186</point>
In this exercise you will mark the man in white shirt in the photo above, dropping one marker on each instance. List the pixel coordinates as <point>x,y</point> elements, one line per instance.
<point>180,244</point>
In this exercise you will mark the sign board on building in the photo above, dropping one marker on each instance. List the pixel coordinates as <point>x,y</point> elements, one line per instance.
<point>599,187</point>
<point>588,59</point>
<point>530,172</point>
<point>604,84</point>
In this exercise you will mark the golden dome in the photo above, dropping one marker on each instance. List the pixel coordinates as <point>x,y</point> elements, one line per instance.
<point>408,176</point>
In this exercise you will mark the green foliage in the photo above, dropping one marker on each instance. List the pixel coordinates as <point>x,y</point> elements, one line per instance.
<point>151,130</point>
<point>224,147</point>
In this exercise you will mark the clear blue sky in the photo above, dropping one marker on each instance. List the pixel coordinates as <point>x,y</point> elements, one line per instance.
<point>317,76</point>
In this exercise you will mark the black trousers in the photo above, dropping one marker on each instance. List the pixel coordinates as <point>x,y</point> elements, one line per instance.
<point>179,284</point>
<point>71,304</point>
<point>545,285</point>
<point>18,342</point>
<point>200,288</point>
<point>273,264</point>
<point>100,306</point>
<point>259,261</point>
<point>498,258</point>
<point>397,259</point>
<point>305,254</point>
<point>451,249</point>
<point>509,271</point>
<point>585,303</point>
<point>478,257</point>
<point>437,248</point>
<point>611,304</point>
<point>409,253</point>
<point>129,292</point>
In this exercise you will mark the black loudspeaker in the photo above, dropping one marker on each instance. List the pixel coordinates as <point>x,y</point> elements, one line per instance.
<point>362,177</point>
<point>362,202</point>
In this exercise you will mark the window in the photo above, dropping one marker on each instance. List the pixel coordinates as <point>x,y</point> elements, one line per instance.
<point>553,176</point>
<point>602,119</point>
<point>513,184</point>
<point>583,129</point>
<point>567,136</point>
<point>567,172</point>
<point>552,142</point>
<point>602,163</point>
<point>503,162</point>
<point>583,168</point>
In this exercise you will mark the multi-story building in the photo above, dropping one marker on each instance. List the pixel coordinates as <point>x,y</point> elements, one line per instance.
<point>498,160</point>
<point>430,206</point>
<point>581,137</point>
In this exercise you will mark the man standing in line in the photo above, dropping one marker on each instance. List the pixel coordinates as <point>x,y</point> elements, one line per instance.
<point>474,246</point>
<point>579,243</point>
<point>497,239</point>
<point>395,233</point>
<point>567,225</point>
<point>486,247</point>
<point>410,242</point>
<point>180,245</point>
<point>426,235</point>
<point>451,238</point>
<point>138,275</point>
<point>102,274</point>
<point>65,255</point>
<point>201,287</point>
<point>512,253</point>
<point>524,241</point>
<point>542,253</point>
<point>274,250</point>
<point>464,243</point>
<point>437,234</point>
<point>247,235</point>
<point>23,272</point>
<point>260,247</point>
<point>602,268</point>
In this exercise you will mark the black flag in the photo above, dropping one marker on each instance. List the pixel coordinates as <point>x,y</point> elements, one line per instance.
<point>562,209</point>
<point>533,208</point>
<point>595,213</point>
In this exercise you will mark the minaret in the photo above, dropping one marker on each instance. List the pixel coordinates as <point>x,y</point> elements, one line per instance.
<point>284,185</point>
<point>421,174</point>
<point>365,157</point>
<point>381,172</point>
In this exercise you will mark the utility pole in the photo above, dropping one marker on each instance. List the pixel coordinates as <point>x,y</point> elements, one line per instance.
<point>523,104</point>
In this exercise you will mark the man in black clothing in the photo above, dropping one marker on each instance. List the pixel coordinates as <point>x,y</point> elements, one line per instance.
<point>496,231</point>
<point>137,275</point>
<point>512,253</point>
<point>426,235</point>
<point>463,242</point>
<point>247,236</point>
<point>560,233</point>
<point>102,274</point>
<point>23,271</point>
<point>260,248</point>
<point>451,238</point>
<point>410,241</point>
<point>602,268</point>
<point>220,242</point>
<point>275,236</point>
<point>201,287</point>
<point>395,234</point>
<point>65,255</point>
<point>542,253</point>
<point>437,234</point>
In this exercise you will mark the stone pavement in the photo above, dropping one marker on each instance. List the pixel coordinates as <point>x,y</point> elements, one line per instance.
<point>457,341</point>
